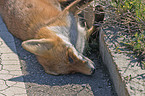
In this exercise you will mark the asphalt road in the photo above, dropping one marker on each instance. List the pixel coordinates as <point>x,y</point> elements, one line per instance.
<point>38,83</point>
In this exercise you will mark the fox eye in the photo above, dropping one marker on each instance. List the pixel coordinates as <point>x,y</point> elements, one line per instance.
<point>70,59</point>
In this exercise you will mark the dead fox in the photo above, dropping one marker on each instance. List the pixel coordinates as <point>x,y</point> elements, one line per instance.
<point>53,34</point>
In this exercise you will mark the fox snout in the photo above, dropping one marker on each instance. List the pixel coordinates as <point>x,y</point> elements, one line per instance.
<point>91,66</point>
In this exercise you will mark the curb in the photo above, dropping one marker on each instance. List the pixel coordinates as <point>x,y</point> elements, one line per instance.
<point>119,84</point>
<point>10,67</point>
<point>125,72</point>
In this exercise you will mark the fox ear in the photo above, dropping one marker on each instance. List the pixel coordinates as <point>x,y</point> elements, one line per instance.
<point>38,46</point>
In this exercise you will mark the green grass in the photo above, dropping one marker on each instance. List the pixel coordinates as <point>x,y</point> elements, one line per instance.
<point>136,9</point>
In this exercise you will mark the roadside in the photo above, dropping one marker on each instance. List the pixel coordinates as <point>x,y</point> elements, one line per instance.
<point>126,71</point>
<point>9,65</point>
<point>37,82</point>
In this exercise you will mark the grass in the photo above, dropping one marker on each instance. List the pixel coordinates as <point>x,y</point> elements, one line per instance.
<point>133,18</point>
<point>130,18</point>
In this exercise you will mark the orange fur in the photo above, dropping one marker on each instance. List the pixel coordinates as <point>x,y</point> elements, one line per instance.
<point>29,20</point>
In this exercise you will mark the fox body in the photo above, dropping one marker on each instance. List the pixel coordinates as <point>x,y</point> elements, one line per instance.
<point>52,34</point>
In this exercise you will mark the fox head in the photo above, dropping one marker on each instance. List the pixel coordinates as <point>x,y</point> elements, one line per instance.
<point>58,57</point>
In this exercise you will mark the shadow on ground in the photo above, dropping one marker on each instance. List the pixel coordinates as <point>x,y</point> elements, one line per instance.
<point>99,83</point>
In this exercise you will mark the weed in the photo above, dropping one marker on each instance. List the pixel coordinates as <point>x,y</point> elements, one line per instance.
<point>132,14</point>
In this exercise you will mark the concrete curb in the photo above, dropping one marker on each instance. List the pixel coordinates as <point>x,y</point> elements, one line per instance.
<point>9,65</point>
<point>119,84</point>
<point>125,72</point>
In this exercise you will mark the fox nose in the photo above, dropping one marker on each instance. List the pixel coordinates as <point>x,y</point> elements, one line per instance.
<point>92,66</point>
<point>93,71</point>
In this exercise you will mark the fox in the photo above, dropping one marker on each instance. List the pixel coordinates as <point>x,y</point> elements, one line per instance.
<point>50,32</point>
